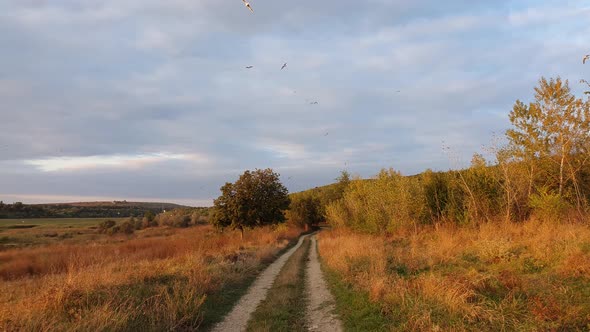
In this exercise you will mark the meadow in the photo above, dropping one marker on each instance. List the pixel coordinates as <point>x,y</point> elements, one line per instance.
<point>17,233</point>
<point>159,278</point>
<point>531,276</point>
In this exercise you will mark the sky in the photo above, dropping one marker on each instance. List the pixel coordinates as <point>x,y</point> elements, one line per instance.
<point>151,100</point>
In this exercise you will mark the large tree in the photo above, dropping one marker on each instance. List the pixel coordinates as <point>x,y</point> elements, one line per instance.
<point>554,129</point>
<point>257,198</point>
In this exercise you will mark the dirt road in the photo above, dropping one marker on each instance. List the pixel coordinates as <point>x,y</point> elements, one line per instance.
<point>320,310</point>
<point>321,306</point>
<point>237,319</point>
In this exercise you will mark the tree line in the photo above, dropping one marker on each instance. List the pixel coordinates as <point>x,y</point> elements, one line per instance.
<point>18,210</point>
<point>541,172</point>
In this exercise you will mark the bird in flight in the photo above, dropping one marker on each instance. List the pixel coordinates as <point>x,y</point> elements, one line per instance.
<point>247,4</point>
<point>586,58</point>
<point>284,66</point>
<point>314,103</point>
<point>249,67</point>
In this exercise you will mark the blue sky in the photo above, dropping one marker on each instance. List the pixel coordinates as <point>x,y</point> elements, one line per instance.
<point>150,100</point>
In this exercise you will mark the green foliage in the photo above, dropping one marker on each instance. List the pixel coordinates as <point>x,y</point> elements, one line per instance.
<point>127,227</point>
<point>544,171</point>
<point>116,209</point>
<point>257,198</point>
<point>387,203</point>
<point>551,136</point>
<point>305,210</point>
<point>548,206</point>
<point>182,218</point>
<point>104,226</point>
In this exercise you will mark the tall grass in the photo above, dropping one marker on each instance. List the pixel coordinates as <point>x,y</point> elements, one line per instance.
<point>529,276</point>
<point>157,283</point>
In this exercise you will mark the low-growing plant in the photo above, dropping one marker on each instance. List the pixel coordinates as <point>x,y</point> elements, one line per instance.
<point>106,225</point>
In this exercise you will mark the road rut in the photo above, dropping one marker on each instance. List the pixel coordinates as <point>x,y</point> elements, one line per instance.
<point>320,312</point>
<point>237,319</point>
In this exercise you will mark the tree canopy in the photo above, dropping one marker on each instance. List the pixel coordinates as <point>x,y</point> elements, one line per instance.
<point>257,198</point>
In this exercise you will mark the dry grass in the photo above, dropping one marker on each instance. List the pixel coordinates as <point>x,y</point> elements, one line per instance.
<point>530,276</point>
<point>156,283</point>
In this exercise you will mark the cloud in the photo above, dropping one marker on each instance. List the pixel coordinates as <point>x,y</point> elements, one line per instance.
<point>149,98</point>
<point>61,164</point>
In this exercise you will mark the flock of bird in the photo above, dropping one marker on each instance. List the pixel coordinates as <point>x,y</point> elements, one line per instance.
<point>247,4</point>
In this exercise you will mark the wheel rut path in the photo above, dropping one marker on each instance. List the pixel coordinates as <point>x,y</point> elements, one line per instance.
<point>237,319</point>
<point>320,314</point>
<point>321,305</point>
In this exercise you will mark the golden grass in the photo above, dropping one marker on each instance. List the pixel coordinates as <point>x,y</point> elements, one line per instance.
<point>494,277</point>
<point>153,283</point>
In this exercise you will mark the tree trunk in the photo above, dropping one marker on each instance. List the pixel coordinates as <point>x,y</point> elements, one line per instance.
<point>531,178</point>
<point>561,170</point>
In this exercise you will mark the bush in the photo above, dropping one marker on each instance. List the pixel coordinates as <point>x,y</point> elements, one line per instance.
<point>138,223</point>
<point>305,211</point>
<point>113,230</point>
<point>106,225</point>
<point>182,222</point>
<point>128,227</point>
<point>548,206</point>
<point>384,204</point>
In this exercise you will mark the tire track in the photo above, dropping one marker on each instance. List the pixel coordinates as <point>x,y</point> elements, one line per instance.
<point>237,319</point>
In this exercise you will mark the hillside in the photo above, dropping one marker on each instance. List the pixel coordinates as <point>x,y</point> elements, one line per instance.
<point>111,209</point>
<point>148,205</point>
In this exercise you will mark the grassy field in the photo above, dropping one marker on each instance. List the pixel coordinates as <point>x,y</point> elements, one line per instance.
<point>15,233</point>
<point>51,222</point>
<point>158,279</point>
<point>495,277</point>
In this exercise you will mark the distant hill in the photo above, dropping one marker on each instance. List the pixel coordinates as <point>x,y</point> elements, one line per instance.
<point>149,205</point>
<point>112,209</point>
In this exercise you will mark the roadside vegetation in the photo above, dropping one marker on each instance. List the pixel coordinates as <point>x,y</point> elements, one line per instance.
<point>501,245</point>
<point>156,282</point>
<point>165,271</point>
<point>494,277</point>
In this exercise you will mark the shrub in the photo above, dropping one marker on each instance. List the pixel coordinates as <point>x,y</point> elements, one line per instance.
<point>305,211</point>
<point>548,206</point>
<point>106,225</point>
<point>128,227</point>
<point>182,222</point>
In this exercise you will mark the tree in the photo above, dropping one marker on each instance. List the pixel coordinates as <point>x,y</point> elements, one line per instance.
<point>586,58</point>
<point>305,210</point>
<point>553,128</point>
<point>257,198</point>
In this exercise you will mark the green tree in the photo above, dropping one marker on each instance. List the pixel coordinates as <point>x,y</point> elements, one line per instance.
<point>305,210</point>
<point>257,198</point>
<point>553,129</point>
